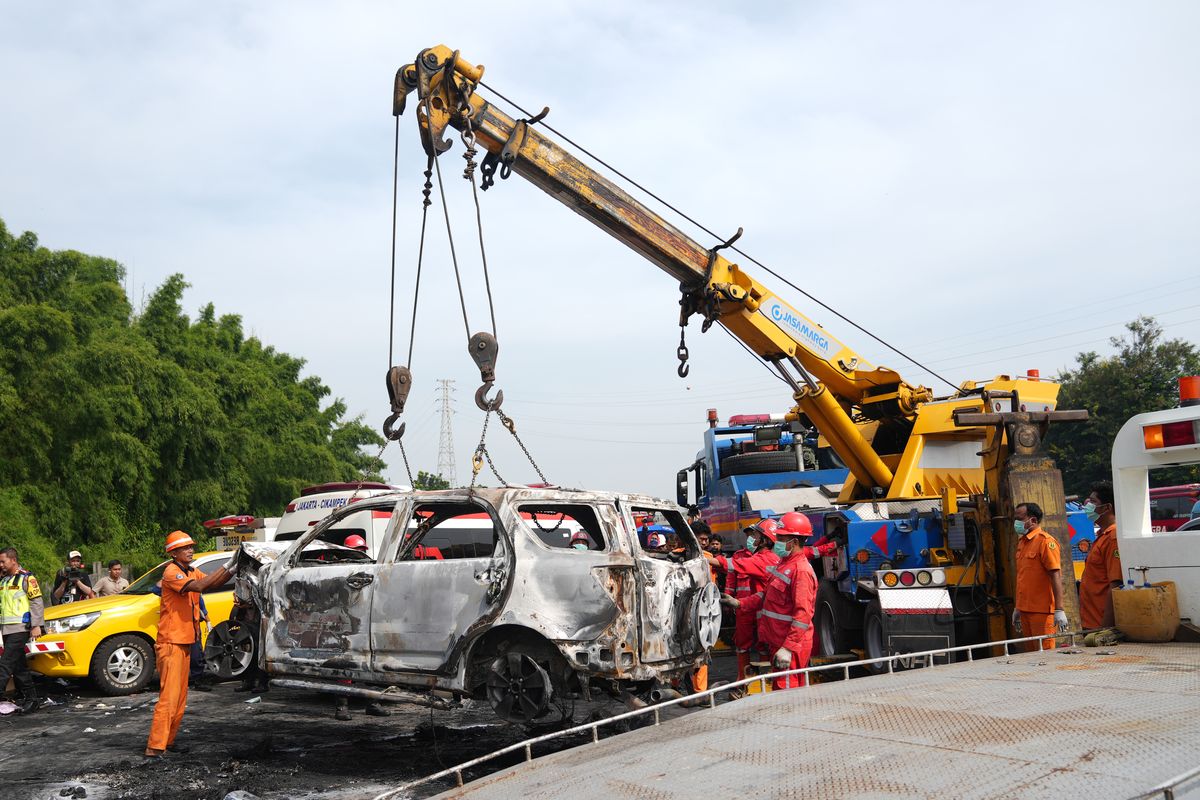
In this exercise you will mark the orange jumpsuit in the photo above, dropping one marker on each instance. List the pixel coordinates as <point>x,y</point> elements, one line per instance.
<point>1101,570</point>
<point>178,628</point>
<point>1037,558</point>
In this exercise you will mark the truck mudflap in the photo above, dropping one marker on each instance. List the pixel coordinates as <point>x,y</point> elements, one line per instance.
<point>916,620</point>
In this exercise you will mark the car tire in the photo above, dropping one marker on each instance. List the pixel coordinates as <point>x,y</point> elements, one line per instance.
<point>122,664</point>
<point>835,620</point>
<point>757,463</point>
<point>230,650</point>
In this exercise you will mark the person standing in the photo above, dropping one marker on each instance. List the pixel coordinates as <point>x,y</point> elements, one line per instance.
<point>788,604</point>
<point>112,582</point>
<point>21,609</point>
<point>1038,606</point>
<point>72,583</point>
<point>745,576</point>
<point>1102,569</point>
<point>178,629</point>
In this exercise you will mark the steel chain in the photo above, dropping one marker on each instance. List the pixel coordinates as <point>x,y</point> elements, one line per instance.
<point>480,451</point>
<point>508,423</point>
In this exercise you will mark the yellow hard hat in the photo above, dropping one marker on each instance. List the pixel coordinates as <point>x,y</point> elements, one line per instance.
<point>177,539</point>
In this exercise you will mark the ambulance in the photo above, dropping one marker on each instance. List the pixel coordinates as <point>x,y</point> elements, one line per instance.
<point>315,503</point>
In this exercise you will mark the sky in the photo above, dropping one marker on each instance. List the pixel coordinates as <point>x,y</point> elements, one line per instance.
<point>991,187</point>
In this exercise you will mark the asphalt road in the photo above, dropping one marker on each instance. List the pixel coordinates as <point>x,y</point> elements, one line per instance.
<point>285,744</point>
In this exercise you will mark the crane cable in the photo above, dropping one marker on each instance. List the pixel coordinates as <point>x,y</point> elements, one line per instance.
<point>711,233</point>
<point>434,168</point>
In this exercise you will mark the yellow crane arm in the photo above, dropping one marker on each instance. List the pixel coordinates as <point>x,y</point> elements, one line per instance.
<point>832,381</point>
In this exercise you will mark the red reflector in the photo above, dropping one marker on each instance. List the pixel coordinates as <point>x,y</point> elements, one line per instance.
<point>907,578</point>
<point>1178,434</point>
<point>290,508</point>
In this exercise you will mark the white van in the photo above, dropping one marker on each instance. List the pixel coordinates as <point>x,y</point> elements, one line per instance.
<point>317,502</point>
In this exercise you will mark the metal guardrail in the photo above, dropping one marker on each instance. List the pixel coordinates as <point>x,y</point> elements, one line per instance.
<point>711,696</point>
<point>1168,789</point>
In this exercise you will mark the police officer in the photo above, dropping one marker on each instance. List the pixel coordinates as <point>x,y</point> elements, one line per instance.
<point>21,621</point>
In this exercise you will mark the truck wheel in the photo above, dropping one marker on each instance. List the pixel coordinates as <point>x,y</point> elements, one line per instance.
<point>756,463</point>
<point>873,636</point>
<point>122,664</point>
<point>229,651</point>
<point>836,620</point>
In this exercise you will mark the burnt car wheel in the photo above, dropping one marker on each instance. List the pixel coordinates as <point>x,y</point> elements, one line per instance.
<point>518,688</point>
<point>708,615</point>
<point>229,651</point>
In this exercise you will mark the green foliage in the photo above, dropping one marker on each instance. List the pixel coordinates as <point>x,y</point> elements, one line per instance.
<point>122,427</point>
<point>427,480</point>
<point>1141,377</point>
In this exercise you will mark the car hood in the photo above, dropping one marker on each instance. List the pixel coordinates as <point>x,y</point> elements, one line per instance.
<point>92,604</point>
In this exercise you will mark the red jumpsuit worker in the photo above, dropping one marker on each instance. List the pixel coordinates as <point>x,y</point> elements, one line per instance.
<point>745,575</point>
<point>788,602</point>
<point>178,628</point>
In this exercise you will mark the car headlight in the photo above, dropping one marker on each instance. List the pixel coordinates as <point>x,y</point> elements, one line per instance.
<point>71,624</point>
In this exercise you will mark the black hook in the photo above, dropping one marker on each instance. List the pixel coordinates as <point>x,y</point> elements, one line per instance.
<point>482,401</point>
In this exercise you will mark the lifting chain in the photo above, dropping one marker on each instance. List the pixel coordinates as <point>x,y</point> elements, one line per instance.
<point>700,299</point>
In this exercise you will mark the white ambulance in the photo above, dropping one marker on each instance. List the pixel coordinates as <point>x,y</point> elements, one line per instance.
<point>317,502</point>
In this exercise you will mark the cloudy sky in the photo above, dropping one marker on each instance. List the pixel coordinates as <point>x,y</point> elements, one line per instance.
<point>992,187</point>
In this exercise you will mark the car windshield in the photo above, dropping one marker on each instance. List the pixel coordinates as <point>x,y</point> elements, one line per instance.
<point>145,584</point>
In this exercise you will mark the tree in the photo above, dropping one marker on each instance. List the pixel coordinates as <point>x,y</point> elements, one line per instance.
<point>120,427</point>
<point>1141,377</point>
<point>426,480</point>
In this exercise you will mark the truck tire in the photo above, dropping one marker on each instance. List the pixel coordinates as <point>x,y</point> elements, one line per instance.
<point>756,463</point>
<point>122,664</point>
<point>874,645</point>
<point>836,619</point>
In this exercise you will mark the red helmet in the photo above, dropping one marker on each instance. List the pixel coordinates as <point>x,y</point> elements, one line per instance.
<point>580,537</point>
<point>355,541</point>
<point>767,527</point>
<point>795,524</point>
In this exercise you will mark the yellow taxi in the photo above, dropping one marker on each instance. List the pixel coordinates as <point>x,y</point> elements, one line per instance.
<point>111,639</point>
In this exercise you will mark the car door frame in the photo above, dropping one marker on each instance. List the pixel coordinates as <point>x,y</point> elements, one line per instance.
<point>319,616</point>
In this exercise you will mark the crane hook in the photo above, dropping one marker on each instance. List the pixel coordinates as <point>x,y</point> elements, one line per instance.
<point>399,383</point>
<point>482,401</point>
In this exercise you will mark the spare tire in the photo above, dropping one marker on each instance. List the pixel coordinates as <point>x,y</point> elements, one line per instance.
<point>757,463</point>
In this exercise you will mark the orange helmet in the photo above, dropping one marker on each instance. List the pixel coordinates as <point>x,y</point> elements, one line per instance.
<point>178,539</point>
<point>767,527</point>
<point>355,541</point>
<point>795,524</point>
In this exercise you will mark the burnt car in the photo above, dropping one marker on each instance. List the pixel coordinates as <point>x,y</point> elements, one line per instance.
<point>525,597</point>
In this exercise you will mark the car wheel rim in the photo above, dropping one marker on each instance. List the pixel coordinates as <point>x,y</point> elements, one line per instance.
<point>708,615</point>
<point>125,665</point>
<point>229,650</point>
<point>518,688</point>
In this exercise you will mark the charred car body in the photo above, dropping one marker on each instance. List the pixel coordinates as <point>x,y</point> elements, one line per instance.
<point>525,597</point>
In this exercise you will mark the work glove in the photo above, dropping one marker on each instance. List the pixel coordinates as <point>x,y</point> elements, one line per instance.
<point>231,566</point>
<point>1060,619</point>
<point>782,658</point>
<point>1017,622</point>
<point>729,600</point>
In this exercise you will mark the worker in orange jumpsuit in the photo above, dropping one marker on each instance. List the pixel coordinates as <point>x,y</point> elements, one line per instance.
<point>178,628</point>
<point>745,575</point>
<point>1102,569</point>
<point>1038,606</point>
<point>788,603</point>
